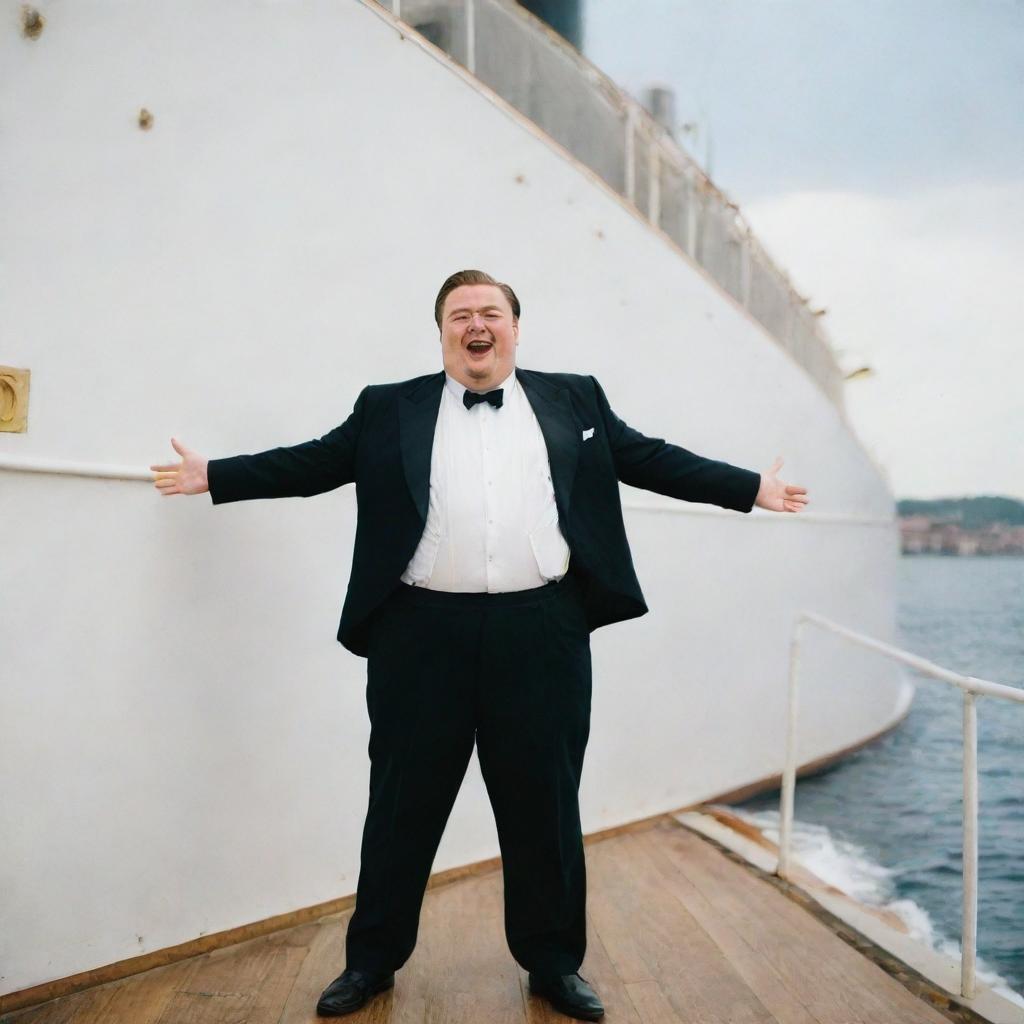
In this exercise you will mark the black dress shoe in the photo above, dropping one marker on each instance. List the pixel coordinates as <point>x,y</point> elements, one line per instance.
<point>568,993</point>
<point>350,990</point>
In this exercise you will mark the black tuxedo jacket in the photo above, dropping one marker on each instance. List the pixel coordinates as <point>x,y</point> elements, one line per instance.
<point>385,446</point>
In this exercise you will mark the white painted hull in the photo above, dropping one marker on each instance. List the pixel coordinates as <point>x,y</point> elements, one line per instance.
<point>183,741</point>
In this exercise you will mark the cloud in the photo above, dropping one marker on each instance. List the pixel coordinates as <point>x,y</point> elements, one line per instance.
<point>879,97</point>
<point>927,289</point>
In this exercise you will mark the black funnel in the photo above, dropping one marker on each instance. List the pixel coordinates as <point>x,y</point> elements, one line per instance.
<point>564,16</point>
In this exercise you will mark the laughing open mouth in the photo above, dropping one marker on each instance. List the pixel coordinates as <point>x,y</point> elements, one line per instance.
<point>478,346</point>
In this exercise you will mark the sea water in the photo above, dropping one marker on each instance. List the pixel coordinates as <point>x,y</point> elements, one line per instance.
<point>885,825</point>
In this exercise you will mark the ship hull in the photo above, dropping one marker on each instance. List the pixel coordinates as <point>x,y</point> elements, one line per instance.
<point>184,741</point>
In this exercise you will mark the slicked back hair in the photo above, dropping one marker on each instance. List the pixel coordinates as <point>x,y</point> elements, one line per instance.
<point>472,277</point>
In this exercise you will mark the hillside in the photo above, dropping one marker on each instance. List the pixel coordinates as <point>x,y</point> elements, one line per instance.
<point>969,513</point>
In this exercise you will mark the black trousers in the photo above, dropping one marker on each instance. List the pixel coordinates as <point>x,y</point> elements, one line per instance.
<point>512,672</point>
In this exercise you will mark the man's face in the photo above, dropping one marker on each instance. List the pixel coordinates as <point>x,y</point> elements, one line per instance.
<point>478,336</point>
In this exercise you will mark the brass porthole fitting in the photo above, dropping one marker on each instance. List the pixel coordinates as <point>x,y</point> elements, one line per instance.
<point>13,400</point>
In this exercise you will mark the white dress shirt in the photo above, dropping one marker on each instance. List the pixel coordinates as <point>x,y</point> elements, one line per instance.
<point>492,522</point>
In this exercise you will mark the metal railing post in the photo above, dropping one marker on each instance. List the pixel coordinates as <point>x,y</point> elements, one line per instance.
<point>691,216</point>
<point>470,37</point>
<point>789,771</point>
<point>969,926</point>
<point>654,183</point>
<point>745,269</point>
<point>630,156</point>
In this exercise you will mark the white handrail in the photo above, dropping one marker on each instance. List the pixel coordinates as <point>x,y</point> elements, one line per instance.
<point>972,688</point>
<point>68,467</point>
<point>646,504</point>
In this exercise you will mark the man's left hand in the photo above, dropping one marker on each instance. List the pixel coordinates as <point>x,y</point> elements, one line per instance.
<point>778,496</point>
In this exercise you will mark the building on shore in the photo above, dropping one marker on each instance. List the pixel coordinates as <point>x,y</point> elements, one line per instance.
<point>921,535</point>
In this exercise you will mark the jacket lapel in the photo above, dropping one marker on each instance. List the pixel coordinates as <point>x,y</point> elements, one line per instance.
<point>417,418</point>
<point>417,414</point>
<point>553,409</point>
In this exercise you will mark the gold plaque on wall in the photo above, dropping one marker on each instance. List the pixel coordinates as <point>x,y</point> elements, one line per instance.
<point>13,400</point>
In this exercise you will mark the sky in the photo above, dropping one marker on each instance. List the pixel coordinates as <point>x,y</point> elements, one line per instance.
<point>876,148</point>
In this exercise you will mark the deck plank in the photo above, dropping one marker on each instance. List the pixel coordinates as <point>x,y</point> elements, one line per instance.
<point>144,999</point>
<point>77,1008</point>
<point>598,969</point>
<point>833,980</point>
<point>651,1003</point>
<point>677,932</point>
<point>759,975</point>
<point>694,975</point>
<point>324,961</point>
<point>463,929</point>
<point>250,984</point>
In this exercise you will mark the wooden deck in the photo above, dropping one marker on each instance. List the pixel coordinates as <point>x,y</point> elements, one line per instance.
<point>678,932</point>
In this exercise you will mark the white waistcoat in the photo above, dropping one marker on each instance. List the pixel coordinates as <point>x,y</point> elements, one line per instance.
<point>492,522</point>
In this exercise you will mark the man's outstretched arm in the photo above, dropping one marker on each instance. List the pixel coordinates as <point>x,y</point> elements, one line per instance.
<point>299,471</point>
<point>656,465</point>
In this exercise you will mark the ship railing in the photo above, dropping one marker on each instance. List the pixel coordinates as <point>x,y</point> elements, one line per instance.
<point>544,77</point>
<point>972,688</point>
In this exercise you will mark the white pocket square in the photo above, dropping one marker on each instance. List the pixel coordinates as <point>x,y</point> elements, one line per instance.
<point>588,433</point>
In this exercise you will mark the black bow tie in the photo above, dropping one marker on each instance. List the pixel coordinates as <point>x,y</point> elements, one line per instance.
<point>470,398</point>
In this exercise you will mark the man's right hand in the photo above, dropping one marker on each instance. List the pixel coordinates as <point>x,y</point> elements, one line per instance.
<point>185,477</point>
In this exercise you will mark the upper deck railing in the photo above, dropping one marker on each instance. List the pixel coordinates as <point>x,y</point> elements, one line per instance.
<point>536,71</point>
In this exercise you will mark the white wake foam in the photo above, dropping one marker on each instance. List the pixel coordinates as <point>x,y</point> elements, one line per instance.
<point>848,867</point>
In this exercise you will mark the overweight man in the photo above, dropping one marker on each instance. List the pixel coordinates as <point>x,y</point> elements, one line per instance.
<point>489,545</point>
